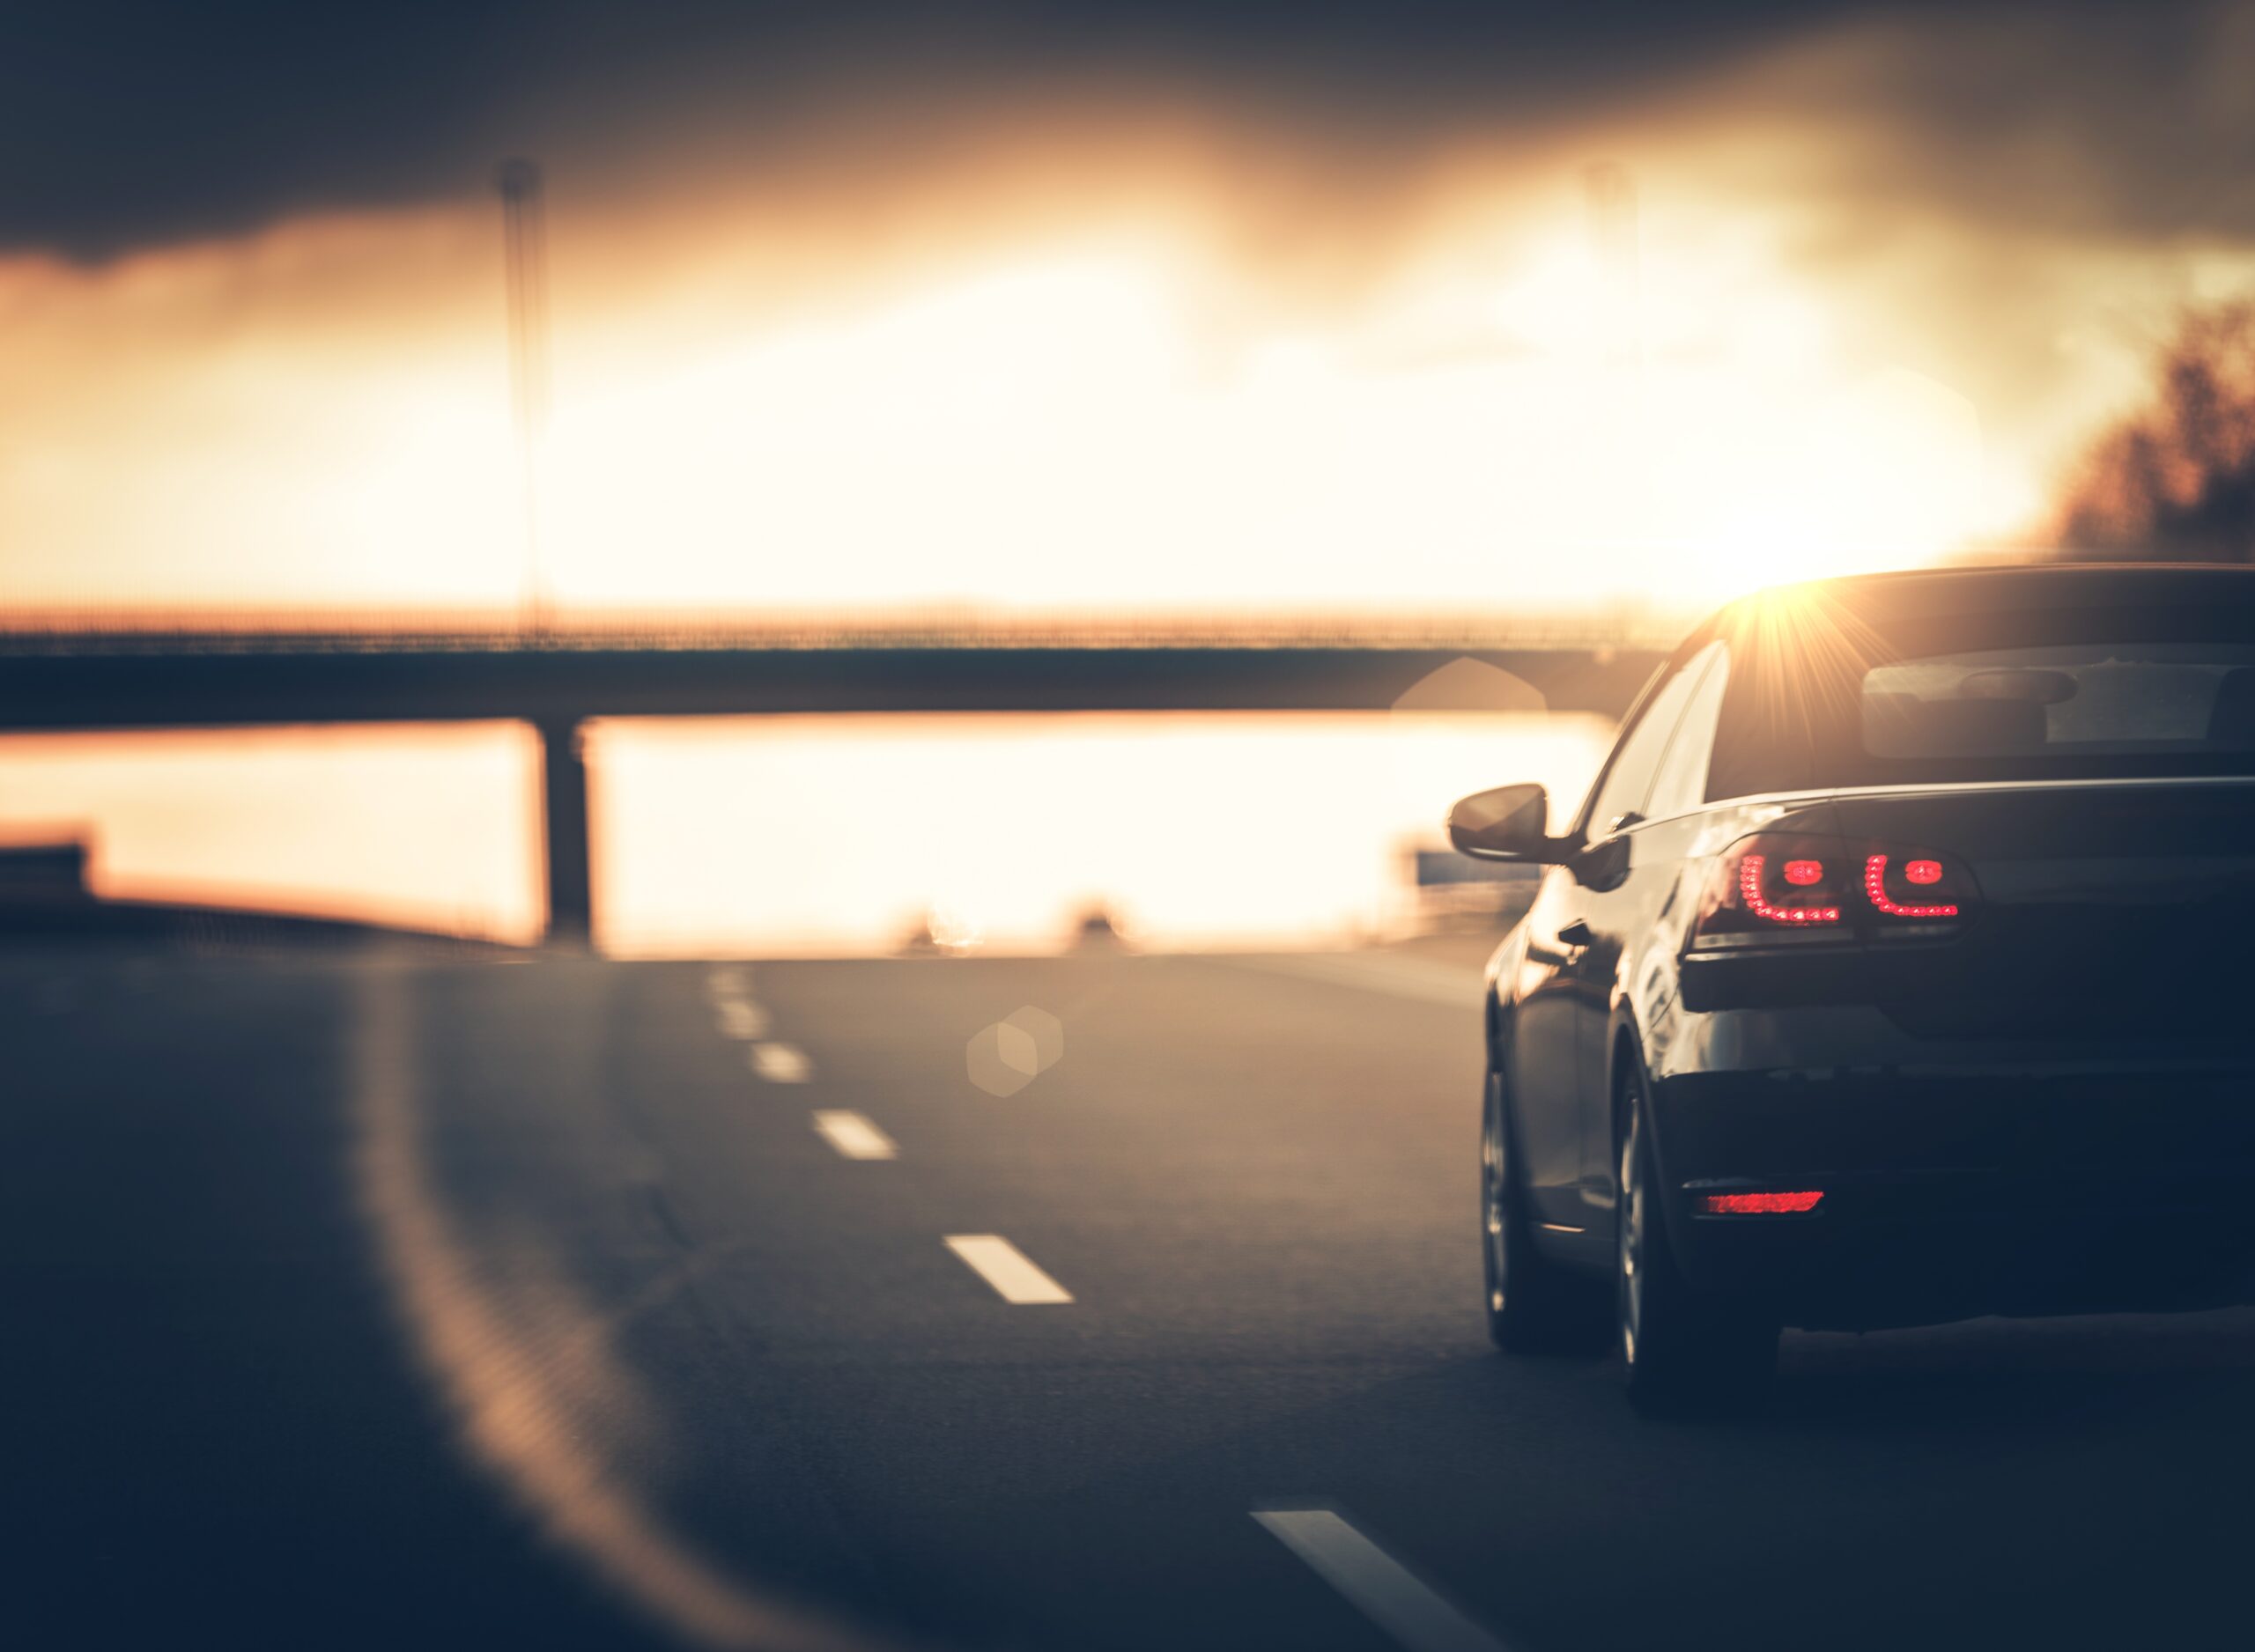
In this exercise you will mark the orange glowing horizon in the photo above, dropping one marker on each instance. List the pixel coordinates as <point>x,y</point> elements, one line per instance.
<point>1001,384</point>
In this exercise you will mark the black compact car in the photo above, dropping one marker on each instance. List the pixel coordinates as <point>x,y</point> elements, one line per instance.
<point>1897,969</point>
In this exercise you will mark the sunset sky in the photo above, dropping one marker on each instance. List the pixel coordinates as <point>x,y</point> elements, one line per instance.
<point>1085,305</point>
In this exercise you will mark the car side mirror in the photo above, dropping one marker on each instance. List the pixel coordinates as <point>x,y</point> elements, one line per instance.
<point>1507,823</point>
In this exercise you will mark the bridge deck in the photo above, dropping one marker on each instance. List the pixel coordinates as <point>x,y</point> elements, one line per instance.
<point>60,679</point>
<point>63,679</point>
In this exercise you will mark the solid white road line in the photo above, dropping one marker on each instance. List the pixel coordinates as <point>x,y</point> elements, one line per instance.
<point>1375,1582</point>
<point>740,1018</point>
<point>1005,1267</point>
<point>780,1063</point>
<point>855,1136</point>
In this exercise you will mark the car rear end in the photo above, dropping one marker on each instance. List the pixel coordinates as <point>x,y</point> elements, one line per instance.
<point>1959,1021</point>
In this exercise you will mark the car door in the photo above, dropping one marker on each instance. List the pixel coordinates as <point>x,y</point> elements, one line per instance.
<point>1625,918</point>
<point>1541,1056</point>
<point>1615,892</point>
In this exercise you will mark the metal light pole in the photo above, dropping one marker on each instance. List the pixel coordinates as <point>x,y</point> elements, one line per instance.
<point>569,853</point>
<point>1611,190</point>
<point>524,232</point>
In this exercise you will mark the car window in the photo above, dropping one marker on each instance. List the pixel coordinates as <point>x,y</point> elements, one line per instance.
<point>2094,698</point>
<point>1629,776</point>
<point>1839,695</point>
<point>1681,785</point>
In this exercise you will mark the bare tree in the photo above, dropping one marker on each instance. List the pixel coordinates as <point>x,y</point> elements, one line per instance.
<point>2176,480</point>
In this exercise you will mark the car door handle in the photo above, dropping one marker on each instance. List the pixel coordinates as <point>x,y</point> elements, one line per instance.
<point>1576,934</point>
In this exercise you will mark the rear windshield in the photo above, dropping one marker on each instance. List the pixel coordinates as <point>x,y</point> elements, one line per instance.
<point>1840,696</point>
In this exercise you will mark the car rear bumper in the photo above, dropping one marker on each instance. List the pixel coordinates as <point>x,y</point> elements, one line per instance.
<point>1960,1180</point>
<point>1922,1248</point>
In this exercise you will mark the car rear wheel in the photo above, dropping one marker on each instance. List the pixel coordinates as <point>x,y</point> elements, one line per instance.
<point>1532,1306</point>
<point>1680,1351</point>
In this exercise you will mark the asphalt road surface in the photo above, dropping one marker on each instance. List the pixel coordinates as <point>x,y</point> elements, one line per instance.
<point>378,1300</point>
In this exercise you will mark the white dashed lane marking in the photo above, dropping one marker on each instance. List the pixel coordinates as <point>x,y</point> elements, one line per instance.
<point>1384,1590</point>
<point>1005,1267</point>
<point>780,1063</point>
<point>740,1018</point>
<point>855,1136</point>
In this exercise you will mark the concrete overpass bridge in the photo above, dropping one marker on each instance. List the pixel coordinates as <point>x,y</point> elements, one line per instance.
<point>78,677</point>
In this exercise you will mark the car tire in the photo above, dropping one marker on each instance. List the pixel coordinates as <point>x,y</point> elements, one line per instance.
<point>1533,1305</point>
<point>1682,1352</point>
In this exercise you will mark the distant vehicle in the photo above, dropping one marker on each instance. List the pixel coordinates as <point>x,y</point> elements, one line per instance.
<point>1096,930</point>
<point>1896,969</point>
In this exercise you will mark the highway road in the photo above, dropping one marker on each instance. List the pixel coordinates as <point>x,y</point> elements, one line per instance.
<point>387,1298</point>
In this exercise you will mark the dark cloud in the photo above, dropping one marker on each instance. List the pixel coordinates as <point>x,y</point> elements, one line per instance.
<point>2132,124</point>
<point>135,122</point>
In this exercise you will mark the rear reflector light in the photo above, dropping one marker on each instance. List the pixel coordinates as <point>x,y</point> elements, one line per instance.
<point>1760,1203</point>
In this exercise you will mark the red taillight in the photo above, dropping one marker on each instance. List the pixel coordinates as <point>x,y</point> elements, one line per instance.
<point>1773,914</point>
<point>1876,891</point>
<point>1750,889</point>
<point>1772,887</point>
<point>1779,889</point>
<point>1760,1203</point>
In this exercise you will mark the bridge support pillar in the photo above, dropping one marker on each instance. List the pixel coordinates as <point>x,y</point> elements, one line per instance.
<point>563,833</point>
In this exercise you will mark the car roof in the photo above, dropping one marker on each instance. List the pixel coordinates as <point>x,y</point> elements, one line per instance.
<point>1916,591</point>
